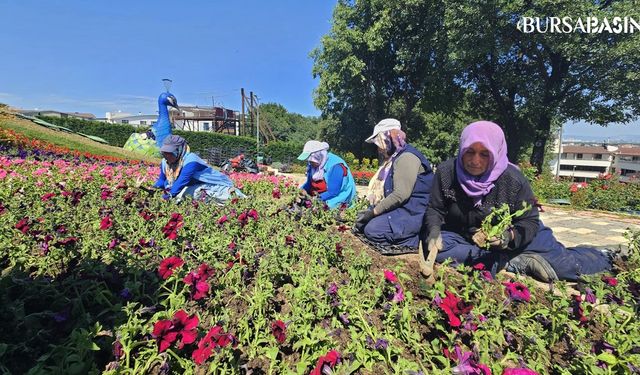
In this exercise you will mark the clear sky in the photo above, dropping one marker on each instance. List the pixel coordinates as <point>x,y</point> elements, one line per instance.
<point>99,56</point>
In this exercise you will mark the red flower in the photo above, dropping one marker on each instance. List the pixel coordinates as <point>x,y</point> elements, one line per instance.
<point>168,265</point>
<point>611,281</point>
<point>454,307</point>
<point>185,326</point>
<point>106,223</point>
<point>578,312</point>
<point>289,240</point>
<point>339,248</point>
<point>276,193</point>
<point>279,331</point>
<point>214,338</point>
<point>117,349</point>
<point>67,241</point>
<point>223,219</point>
<point>197,281</point>
<point>146,215</point>
<point>517,291</point>
<point>47,196</point>
<point>163,334</point>
<point>342,228</point>
<point>23,225</point>
<point>390,276</point>
<point>253,214</point>
<point>329,360</point>
<point>170,229</point>
<point>479,266</point>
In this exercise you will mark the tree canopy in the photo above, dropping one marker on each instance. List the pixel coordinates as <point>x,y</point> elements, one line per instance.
<point>438,65</point>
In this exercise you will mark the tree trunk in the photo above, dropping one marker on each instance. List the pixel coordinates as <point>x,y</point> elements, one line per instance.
<point>540,142</point>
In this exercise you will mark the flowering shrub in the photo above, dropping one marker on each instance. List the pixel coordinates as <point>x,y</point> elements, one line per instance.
<point>100,276</point>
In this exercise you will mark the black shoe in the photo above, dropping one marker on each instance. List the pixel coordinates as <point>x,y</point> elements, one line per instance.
<point>533,265</point>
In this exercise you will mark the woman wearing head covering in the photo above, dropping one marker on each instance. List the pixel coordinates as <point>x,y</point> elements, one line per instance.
<point>465,190</point>
<point>398,193</point>
<point>328,176</point>
<point>183,173</point>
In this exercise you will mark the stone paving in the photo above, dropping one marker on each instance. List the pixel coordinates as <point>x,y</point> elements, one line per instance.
<point>572,227</point>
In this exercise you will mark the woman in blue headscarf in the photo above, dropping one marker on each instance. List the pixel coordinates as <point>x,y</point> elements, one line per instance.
<point>183,173</point>
<point>465,190</point>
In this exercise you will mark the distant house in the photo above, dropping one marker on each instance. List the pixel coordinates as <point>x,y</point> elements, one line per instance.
<point>628,163</point>
<point>585,162</point>
<point>51,113</point>
<point>129,119</point>
<point>208,119</point>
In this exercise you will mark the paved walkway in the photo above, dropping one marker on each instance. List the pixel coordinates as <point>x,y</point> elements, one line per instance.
<point>571,227</point>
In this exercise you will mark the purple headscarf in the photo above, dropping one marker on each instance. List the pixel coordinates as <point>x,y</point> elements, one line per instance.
<point>492,138</point>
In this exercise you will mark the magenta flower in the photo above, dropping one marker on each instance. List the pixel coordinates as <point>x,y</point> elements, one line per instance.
<point>390,276</point>
<point>106,223</point>
<point>223,219</point>
<point>517,291</point>
<point>47,196</point>
<point>279,331</point>
<point>289,240</point>
<point>339,248</point>
<point>468,365</point>
<point>589,295</point>
<point>398,296</point>
<point>276,193</point>
<point>168,265</point>
<point>611,281</point>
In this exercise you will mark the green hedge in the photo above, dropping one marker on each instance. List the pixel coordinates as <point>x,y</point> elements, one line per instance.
<point>199,142</point>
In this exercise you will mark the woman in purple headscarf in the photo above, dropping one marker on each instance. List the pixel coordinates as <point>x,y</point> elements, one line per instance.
<point>464,191</point>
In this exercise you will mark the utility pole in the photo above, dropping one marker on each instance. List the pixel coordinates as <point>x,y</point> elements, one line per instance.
<point>242,115</point>
<point>559,153</point>
<point>251,110</point>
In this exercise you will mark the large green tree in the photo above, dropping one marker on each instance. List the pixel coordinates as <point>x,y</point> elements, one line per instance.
<point>456,61</point>
<point>528,81</point>
<point>287,126</point>
<point>382,58</point>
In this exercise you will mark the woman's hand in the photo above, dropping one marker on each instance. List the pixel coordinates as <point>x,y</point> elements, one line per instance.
<point>363,218</point>
<point>500,242</point>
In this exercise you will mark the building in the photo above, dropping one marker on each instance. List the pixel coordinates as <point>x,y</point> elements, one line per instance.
<point>628,163</point>
<point>139,120</point>
<point>208,119</point>
<point>585,162</point>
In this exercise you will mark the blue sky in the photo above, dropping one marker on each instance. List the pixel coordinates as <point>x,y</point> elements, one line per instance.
<point>99,56</point>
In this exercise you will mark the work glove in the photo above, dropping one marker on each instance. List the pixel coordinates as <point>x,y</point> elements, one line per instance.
<point>500,242</point>
<point>362,218</point>
<point>434,241</point>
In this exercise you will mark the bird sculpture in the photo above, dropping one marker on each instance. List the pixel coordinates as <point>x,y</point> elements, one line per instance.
<point>149,143</point>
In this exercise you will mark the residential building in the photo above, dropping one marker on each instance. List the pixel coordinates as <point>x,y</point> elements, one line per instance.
<point>585,162</point>
<point>209,119</point>
<point>139,120</point>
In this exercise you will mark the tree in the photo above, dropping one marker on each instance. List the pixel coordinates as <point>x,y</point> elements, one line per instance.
<point>382,58</point>
<point>289,127</point>
<point>528,81</point>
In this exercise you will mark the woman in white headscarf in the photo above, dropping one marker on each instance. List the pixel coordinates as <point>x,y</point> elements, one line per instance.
<point>398,193</point>
<point>328,176</point>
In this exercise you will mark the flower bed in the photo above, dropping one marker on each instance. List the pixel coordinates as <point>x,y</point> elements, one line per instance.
<point>99,276</point>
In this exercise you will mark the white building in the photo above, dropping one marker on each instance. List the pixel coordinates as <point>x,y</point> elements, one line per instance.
<point>139,120</point>
<point>207,119</point>
<point>580,162</point>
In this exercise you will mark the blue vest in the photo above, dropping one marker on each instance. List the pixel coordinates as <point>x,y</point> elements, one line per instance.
<point>206,176</point>
<point>348,188</point>
<point>408,217</point>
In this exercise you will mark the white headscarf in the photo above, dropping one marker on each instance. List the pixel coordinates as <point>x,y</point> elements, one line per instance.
<point>319,157</point>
